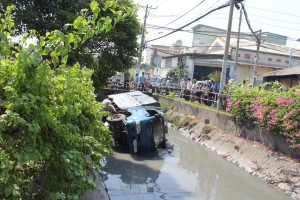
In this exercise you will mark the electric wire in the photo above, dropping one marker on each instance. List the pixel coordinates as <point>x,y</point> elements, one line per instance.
<point>162,3</point>
<point>274,11</point>
<point>155,2</point>
<point>213,5</point>
<point>276,26</point>
<point>139,1</point>
<point>218,8</point>
<point>248,22</point>
<point>212,33</point>
<point>185,13</point>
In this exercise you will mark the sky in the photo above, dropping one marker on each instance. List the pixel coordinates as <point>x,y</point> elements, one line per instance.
<point>276,16</point>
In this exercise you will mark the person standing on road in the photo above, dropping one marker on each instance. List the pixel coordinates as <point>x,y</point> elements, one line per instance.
<point>142,81</point>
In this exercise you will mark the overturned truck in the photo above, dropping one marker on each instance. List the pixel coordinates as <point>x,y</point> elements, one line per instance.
<point>139,125</point>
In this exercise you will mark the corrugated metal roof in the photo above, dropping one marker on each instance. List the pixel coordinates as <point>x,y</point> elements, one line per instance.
<point>250,44</point>
<point>132,99</point>
<point>259,65</point>
<point>283,72</point>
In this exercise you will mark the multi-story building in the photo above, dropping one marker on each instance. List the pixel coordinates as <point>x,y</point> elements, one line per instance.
<point>155,53</point>
<point>206,54</point>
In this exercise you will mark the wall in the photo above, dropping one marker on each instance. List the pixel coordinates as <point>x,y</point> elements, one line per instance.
<point>206,35</point>
<point>227,122</point>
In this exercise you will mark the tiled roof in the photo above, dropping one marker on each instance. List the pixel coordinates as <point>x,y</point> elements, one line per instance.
<point>283,72</point>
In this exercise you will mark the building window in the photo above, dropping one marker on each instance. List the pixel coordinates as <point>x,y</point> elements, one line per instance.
<point>269,59</point>
<point>168,62</point>
<point>239,55</point>
<point>278,60</point>
<point>247,55</point>
<point>287,62</point>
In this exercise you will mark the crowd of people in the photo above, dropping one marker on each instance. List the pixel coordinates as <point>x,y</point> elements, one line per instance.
<point>202,91</point>
<point>205,91</point>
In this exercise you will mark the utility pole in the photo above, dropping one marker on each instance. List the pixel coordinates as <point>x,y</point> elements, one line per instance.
<point>257,57</point>
<point>142,42</point>
<point>224,65</point>
<point>233,74</point>
<point>291,59</point>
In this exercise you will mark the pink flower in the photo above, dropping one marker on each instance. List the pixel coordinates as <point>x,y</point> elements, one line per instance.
<point>291,100</point>
<point>298,134</point>
<point>273,121</point>
<point>273,111</point>
<point>298,146</point>
<point>237,103</point>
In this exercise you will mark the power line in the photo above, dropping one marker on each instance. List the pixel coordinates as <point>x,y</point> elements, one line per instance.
<point>277,26</point>
<point>213,5</point>
<point>220,7</point>
<point>212,32</point>
<point>185,13</point>
<point>155,2</point>
<point>162,3</point>
<point>248,23</point>
<point>274,19</point>
<point>274,11</point>
<point>140,1</point>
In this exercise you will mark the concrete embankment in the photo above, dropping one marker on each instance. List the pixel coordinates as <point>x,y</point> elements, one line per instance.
<point>100,192</point>
<point>258,158</point>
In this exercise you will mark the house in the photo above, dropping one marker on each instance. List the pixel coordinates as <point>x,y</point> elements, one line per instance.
<point>154,54</point>
<point>271,57</point>
<point>206,54</point>
<point>289,77</point>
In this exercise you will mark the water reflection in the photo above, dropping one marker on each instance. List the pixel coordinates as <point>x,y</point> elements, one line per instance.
<point>188,172</point>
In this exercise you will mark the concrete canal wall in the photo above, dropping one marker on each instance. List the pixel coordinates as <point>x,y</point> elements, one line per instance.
<point>227,122</point>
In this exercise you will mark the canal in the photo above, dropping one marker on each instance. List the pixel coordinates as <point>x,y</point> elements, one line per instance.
<point>188,171</point>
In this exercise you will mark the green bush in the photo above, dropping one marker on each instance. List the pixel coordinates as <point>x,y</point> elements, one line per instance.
<point>171,95</point>
<point>51,133</point>
<point>271,105</point>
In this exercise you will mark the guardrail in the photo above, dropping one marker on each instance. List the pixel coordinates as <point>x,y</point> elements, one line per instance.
<point>201,96</point>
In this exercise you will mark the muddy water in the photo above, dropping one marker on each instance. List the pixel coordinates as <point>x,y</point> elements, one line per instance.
<point>187,172</point>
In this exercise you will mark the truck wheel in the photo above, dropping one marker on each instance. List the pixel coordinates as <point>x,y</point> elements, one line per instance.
<point>115,118</point>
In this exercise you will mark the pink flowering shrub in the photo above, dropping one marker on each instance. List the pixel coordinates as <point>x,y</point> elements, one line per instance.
<point>275,109</point>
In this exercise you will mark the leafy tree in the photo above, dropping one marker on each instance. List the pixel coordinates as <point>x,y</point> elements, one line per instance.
<point>216,75</point>
<point>175,72</point>
<point>104,53</point>
<point>147,67</point>
<point>51,133</point>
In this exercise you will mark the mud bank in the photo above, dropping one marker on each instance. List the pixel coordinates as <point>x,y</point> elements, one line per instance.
<point>276,169</point>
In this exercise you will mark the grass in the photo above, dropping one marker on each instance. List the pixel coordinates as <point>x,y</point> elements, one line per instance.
<point>164,107</point>
<point>206,129</point>
<point>196,104</point>
<point>183,123</point>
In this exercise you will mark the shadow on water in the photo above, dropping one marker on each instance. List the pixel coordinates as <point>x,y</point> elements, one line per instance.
<point>188,172</point>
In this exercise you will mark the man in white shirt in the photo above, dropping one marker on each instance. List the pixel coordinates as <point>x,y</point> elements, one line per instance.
<point>188,90</point>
